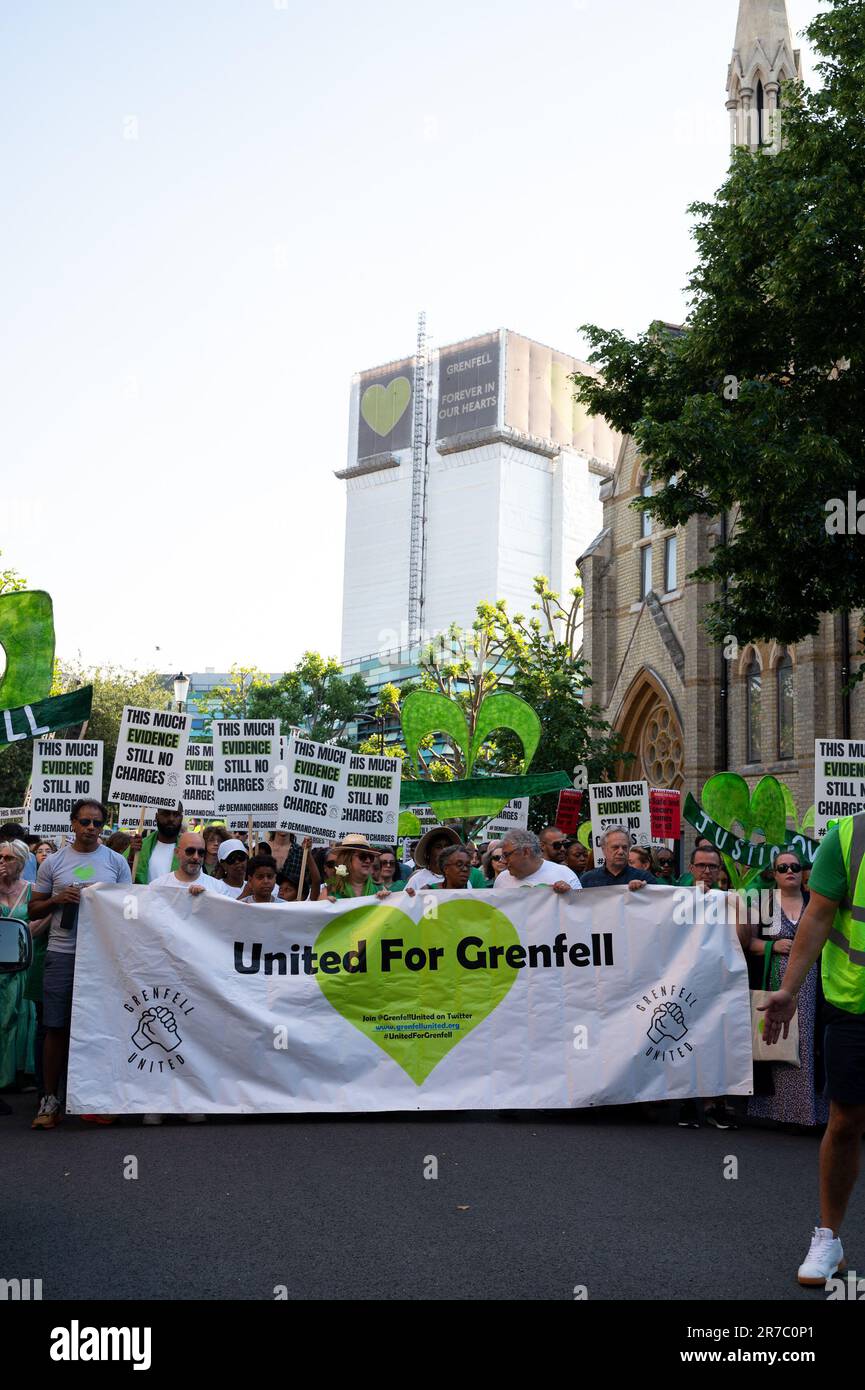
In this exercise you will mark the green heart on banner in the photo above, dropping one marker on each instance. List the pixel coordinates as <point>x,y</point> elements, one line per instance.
<point>383,406</point>
<point>728,799</point>
<point>427,712</point>
<point>379,1002</point>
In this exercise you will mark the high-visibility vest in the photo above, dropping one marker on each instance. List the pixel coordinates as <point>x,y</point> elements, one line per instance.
<point>843,965</point>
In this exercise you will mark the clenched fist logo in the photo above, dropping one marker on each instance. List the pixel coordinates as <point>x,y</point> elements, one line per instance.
<point>157,1027</point>
<point>668,1021</point>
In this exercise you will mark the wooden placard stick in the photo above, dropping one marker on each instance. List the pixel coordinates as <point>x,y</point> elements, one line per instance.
<point>302,878</point>
<point>250,838</point>
<point>138,851</point>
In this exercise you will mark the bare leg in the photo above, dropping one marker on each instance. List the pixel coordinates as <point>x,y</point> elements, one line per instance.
<point>839,1162</point>
<point>56,1046</point>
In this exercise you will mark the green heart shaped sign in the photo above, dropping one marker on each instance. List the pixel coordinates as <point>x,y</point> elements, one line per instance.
<point>27,637</point>
<point>728,799</point>
<point>427,712</point>
<point>383,406</point>
<point>412,997</point>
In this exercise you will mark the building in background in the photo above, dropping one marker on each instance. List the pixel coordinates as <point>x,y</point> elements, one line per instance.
<point>686,707</point>
<point>470,471</point>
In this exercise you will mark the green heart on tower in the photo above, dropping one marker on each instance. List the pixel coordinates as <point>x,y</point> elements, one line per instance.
<point>364,998</point>
<point>383,406</point>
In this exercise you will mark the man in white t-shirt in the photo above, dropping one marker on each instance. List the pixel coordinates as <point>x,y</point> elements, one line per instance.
<point>526,866</point>
<point>189,872</point>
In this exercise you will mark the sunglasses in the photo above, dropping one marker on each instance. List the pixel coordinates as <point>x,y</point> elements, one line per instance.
<point>8,859</point>
<point>557,844</point>
<point>498,855</point>
<point>88,820</point>
<point>788,868</point>
<point>365,856</point>
<point>665,863</point>
<point>195,853</point>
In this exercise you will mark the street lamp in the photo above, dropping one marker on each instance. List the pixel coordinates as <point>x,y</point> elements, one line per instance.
<point>181,690</point>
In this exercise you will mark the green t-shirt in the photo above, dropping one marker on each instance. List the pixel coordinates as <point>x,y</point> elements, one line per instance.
<point>829,876</point>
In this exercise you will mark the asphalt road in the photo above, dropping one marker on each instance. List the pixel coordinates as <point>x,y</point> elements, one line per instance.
<point>526,1205</point>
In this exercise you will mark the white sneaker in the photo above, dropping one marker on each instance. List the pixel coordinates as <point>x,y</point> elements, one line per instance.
<point>152,1120</point>
<point>824,1259</point>
<point>195,1119</point>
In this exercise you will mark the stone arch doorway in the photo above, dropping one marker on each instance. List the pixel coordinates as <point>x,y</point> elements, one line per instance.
<point>651,729</point>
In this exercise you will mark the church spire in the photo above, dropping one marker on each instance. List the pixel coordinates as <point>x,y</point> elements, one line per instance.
<point>763,58</point>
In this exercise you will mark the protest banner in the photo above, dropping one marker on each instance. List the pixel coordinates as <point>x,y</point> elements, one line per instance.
<point>198,790</point>
<point>16,815</point>
<point>42,716</point>
<point>568,811</point>
<point>665,813</point>
<point>213,1006</point>
<point>754,855</point>
<point>330,792</point>
<point>245,773</point>
<point>619,803</point>
<point>64,771</point>
<point>839,781</point>
<point>150,759</point>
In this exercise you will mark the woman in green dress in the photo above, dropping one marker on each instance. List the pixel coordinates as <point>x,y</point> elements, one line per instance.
<point>352,876</point>
<point>17,1014</point>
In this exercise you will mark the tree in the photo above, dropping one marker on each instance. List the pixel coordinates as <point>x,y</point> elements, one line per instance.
<point>11,582</point>
<point>315,697</point>
<point>549,673</point>
<point>235,700</point>
<point>757,406</point>
<point>113,688</point>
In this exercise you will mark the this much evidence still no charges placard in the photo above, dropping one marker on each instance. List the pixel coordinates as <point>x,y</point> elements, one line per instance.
<point>149,766</point>
<point>64,771</point>
<point>330,792</point>
<point>619,803</point>
<point>246,772</point>
<point>839,781</point>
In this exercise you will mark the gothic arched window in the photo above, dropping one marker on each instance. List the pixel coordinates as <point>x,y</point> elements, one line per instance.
<point>760,113</point>
<point>754,700</point>
<point>786,708</point>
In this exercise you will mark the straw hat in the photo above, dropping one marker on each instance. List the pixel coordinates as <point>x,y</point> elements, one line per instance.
<point>353,842</point>
<point>436,832</point>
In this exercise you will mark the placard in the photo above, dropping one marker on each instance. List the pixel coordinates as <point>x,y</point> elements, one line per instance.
<point>16,815</point>
<point>149,766</point>
<point>514,816</point>
<point>198,789</point>
<point>665,813</point>
<point>246,770</point>
<point>64,771</point>
<point>128,818</point>
<point>839,781</point>
<point>331,792</point>
<point>619,803</point>
<point>568,811</point>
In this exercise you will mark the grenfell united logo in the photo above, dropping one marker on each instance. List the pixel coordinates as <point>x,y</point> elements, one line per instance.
<point>668,1019</point>
<point>159,1013</point>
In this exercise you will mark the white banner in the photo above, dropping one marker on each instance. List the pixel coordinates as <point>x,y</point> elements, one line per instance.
<point>129,817</point>
<point>198,792</point>
<point>619,803</point>
<point>839,781</point>
<point>330,792</point>
<point>245,772</point>
<point>444,1001</point>
<point>150,760</point>
<point>64,771</point>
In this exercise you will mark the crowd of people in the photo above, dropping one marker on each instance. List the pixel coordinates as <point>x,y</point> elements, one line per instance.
<point>41,882</point>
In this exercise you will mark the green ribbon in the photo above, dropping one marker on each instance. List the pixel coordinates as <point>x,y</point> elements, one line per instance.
<point>744,852</point>
<point>45,716</point>
<point>505,789</point>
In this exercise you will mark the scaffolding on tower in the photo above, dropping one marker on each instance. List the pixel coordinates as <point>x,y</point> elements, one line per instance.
<point>418,488</point>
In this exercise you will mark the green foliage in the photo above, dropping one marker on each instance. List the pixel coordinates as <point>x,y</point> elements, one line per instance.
<point>234,700</point>
<point>11,582</point>
<point>315,697</point>
<point>757,407</point>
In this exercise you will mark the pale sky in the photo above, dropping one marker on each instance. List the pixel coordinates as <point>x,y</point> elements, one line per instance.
<point>217,210</point>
